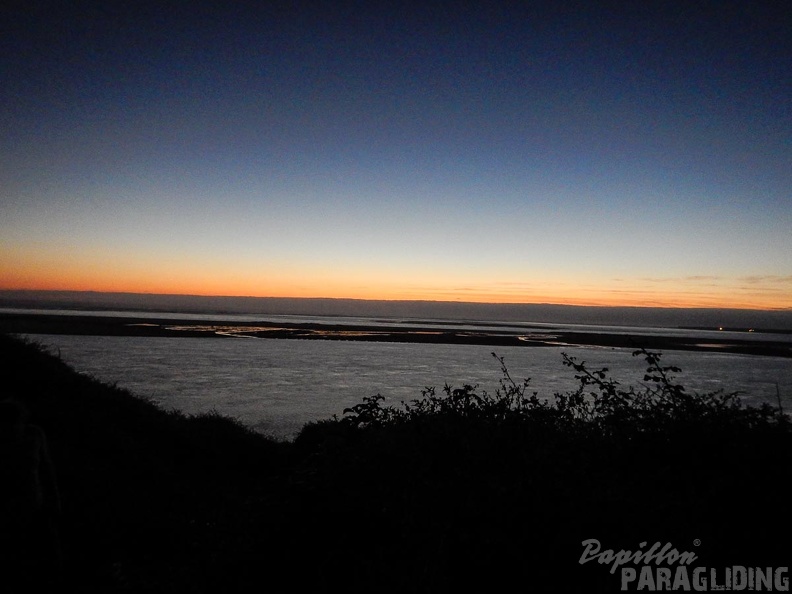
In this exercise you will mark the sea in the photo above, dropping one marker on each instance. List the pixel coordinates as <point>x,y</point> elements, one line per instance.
<point>276,386</point>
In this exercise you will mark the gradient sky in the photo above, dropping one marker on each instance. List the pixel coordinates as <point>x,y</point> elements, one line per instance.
<point>615,153</point>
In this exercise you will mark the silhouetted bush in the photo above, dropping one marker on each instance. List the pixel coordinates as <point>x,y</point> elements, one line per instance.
<point>467,487</point>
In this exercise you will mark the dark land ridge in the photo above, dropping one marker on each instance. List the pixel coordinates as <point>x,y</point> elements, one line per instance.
<point>414,331</point>
<point>662,317</point>
<point>466,493</point>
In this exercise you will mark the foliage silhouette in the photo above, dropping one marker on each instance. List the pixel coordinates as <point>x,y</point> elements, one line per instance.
<point>599,402</point>
<point>484,482</point>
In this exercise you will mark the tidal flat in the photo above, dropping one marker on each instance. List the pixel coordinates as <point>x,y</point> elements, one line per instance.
<point>738,341</point>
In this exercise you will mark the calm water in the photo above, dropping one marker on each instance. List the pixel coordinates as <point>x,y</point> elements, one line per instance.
<point>276,386</point>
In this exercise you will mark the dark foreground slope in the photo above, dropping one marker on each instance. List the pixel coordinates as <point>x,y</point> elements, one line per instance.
<point>462,492</point>
<point>147,497</point>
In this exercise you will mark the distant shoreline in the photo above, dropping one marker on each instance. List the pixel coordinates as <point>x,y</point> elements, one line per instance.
<point>453,311</point>
<point>151,326</point>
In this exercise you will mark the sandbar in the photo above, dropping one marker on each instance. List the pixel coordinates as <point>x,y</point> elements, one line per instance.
<point>430,333</point>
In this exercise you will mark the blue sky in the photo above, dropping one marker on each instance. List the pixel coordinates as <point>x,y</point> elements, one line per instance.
<point>590,154</point>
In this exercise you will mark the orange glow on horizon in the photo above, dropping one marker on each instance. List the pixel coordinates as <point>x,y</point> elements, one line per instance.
<point>116,275</point>
<point>581,298</point>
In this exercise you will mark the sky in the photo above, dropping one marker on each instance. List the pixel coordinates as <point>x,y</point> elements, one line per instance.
<point>585,153</point>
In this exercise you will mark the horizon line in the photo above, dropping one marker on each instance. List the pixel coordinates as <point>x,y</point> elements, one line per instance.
<point>395,301</point>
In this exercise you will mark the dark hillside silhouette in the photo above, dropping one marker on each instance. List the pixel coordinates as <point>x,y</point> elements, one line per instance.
<point>29,504</point>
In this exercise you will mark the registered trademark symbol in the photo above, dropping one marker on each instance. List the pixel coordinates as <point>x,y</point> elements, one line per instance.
<point>696,542</point>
